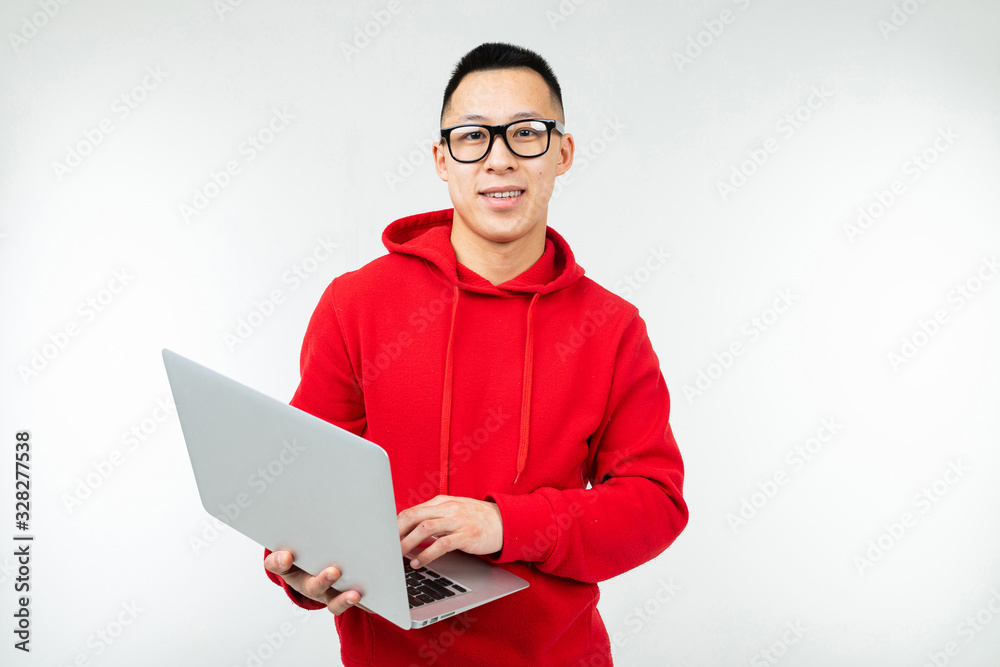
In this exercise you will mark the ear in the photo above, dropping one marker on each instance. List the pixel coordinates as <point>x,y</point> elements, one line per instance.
<point>440,163</point>
<point>567,147</point>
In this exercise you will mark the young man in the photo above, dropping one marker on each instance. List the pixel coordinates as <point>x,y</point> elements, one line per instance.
<point>502,383</point>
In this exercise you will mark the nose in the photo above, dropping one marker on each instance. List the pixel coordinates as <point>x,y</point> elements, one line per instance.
<point>499,159</point>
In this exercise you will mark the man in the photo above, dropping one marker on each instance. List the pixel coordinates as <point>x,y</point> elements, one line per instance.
<point>502,383</point>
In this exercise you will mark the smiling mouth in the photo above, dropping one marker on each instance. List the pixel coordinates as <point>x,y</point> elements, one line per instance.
<point>503,195</point>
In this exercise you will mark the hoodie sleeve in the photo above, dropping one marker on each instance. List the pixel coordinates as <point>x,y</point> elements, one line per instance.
<point>328,389</point>
<point>328,386</point>
<point>634,509</point>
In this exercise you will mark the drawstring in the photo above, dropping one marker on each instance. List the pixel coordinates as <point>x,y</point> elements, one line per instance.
<point>446,400</point>
<point>522,444</point>
<point>529,349</point>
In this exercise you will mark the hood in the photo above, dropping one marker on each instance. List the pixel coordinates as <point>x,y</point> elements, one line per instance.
<point>428,236</point>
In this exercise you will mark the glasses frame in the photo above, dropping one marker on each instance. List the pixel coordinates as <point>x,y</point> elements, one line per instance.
<point>501,130</point>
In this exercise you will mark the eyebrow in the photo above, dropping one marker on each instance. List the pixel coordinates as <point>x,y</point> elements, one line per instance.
<point>518,116</point>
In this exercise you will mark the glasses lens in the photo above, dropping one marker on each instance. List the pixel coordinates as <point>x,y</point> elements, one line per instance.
<point>528,138</point>
<point>469,142</point>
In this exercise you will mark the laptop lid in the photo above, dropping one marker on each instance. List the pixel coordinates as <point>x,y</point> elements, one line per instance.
<point>258,461</point>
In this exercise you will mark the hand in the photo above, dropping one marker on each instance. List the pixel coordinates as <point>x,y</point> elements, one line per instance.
<point>315,588</point>
<point>470,525</point>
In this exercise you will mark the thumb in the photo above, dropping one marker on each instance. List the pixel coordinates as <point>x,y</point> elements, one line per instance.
<point>281,561</point>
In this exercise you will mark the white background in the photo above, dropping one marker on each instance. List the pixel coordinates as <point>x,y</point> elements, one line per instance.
<point>353,158</point>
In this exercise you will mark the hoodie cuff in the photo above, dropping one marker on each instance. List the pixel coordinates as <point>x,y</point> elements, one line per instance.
<point>529,527</point>
<point>293,595</point>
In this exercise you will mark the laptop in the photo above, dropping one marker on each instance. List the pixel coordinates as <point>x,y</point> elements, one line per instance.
<point>291,481</point>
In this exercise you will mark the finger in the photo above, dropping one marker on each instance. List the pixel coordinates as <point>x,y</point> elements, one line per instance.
<point>409,518</point>
<point>427,528</point>
<point>314,587</point>
<point>278,562</point>
<point>343,602</point>
<point>413,515</point>
<point>440,547</point>
<point>438,499</point>
<point>410,539</point>
<point>318,587</point>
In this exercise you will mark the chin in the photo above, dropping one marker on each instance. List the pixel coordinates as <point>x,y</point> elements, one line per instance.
<point>500,229</point>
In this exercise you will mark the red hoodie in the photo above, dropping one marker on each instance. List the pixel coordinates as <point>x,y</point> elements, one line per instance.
<point>522,394</point>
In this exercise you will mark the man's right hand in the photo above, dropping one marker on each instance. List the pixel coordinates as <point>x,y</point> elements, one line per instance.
<point>313,587</point>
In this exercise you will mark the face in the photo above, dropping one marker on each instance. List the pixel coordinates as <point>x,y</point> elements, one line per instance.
<point>493,98</point>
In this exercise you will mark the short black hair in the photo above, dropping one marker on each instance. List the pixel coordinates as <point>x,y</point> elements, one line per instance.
<point>500,55</point>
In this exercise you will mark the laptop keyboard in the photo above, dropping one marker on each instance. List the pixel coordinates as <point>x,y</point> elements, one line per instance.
<point>424,586</point>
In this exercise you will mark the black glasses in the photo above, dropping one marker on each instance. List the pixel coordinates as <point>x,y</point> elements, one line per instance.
<point>524,138</point>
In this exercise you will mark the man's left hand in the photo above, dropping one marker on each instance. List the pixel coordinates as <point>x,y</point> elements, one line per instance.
<point>470,525</point>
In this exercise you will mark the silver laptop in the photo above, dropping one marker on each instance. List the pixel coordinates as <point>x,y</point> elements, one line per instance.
<point>291,481</point>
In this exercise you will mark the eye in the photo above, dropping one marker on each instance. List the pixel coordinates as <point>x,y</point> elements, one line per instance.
<point>468,135</point>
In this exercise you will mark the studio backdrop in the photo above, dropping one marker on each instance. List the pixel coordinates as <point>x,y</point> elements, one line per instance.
<point>800,197</point>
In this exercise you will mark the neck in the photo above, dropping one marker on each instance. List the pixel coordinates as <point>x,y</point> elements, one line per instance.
<point>497,261</point>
